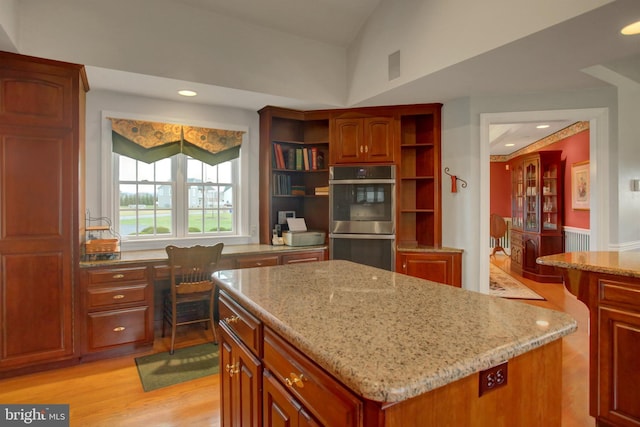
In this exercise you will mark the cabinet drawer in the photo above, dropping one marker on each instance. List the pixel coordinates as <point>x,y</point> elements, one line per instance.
<point>244,324</point>
<point>109,328</point>
<point>257,261</point>
<point>310,256</point>
<point>103,297</point>
<point>324,397</point>
<point>619,292</point>
<point>116,275</point>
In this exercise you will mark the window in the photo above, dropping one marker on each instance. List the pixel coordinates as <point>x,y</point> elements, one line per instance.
<point>176,197</point>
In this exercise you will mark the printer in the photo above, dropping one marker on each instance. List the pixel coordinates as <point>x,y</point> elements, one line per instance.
<point>298,235</point>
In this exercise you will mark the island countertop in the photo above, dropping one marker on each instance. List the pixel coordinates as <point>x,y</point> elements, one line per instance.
<point>388,336</point>
<point>617,263</point>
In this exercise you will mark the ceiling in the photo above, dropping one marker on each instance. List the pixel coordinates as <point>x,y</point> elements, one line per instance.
<point>555,59</point>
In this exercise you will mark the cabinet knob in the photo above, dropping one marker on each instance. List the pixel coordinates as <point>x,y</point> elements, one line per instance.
<point>119,329</point>
<point>361,149</point>
<point>297,380</point>
<point>119,296</point>
<point>366,148</point>
<point>118,276</point>
<point>234,368</point>
<point>232,319</point>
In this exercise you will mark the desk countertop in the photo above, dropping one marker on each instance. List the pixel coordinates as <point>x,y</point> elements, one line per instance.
<point>617,263</point>
<point>389,336</point>
<point>160,255</point>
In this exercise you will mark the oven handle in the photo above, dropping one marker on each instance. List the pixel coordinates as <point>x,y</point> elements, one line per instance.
<point>360,181</point>
<point>363,236</point>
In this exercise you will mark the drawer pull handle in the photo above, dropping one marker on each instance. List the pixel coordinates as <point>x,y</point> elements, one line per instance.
<point>232,319</point>
<point>119,296</point>
<point>119,329</point>
<point>297,380</point>
<point>234,368</point>
<point>118,276</point>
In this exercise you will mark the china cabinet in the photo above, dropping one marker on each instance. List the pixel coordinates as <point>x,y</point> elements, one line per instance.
<point>537,212</point>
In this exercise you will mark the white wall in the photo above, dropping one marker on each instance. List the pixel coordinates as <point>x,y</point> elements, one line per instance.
<point>435,34</point>
<point>463,225</point>
<point>8,25</point>
<point>161,38</point>
<point>98,139</point>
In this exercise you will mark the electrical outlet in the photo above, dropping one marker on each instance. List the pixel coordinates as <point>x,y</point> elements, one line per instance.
<point>493,378</point>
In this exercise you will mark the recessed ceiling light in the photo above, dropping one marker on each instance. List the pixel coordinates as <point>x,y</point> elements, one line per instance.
<point>187,92</point>
<point>509,145</point>
<point>631,29</point>
<point>542,126</point>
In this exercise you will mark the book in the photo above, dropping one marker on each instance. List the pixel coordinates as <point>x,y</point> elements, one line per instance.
<point>305,158</point>
<point>299,164</point>
<point>291,158</point>
<point>279,156</point>
<point>314,158</point>
<point>322,191</point>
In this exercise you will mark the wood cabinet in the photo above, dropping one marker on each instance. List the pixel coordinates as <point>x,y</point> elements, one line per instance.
<point>419,198</point>
<point>117,310</point>
<point>283,187</point>
<point>439,266</point>
<point>362,140</point>
<point>537,212</point>
<point>280,407</point>
<point>618,346</point>
<point>42,106</point>
<point>240,367</point>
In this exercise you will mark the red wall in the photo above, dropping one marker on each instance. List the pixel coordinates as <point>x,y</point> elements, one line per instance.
<point>574,149</point>
<point>500,180</point>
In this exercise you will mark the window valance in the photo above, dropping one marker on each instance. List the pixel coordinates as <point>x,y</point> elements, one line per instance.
<point>152,141</point>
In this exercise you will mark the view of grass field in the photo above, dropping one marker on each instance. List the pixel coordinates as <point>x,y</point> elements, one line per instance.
<point>163,221</point>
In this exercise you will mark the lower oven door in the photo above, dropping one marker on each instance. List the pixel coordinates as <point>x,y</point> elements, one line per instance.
<point>376,250</point>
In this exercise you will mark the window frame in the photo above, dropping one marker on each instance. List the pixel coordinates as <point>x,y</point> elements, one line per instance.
<point>110,194</point>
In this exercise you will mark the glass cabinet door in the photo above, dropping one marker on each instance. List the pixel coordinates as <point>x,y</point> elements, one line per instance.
<point>531,170</point>
<point>517,201</point>
<point>550,197</point>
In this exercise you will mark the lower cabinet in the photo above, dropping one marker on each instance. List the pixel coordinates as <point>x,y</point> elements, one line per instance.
<point>117,310</point>
<point>618,346</point>
<point>438,266</point>
<point>280,408</point>
<point>240,382</point>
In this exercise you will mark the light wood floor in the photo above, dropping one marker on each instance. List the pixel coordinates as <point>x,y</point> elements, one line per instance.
<point>108,393</point>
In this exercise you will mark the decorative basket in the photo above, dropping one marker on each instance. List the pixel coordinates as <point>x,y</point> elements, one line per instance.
<point>101,245</point>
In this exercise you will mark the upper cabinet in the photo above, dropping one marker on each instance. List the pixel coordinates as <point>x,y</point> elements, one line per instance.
<point>362,140</point>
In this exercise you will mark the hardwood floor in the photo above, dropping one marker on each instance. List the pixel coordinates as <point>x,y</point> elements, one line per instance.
<point>109,393</point>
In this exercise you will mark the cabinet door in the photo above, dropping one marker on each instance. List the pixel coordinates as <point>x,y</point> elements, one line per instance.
<point>36,252</point>
<point>281,409</point>
<point>240,383</point>
<point>438,267</point>
<point>378,139</point>
<point>348,141</point>
<point>618,366</point>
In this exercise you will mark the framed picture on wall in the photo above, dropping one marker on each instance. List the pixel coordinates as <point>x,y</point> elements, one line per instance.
<point>580,186</point>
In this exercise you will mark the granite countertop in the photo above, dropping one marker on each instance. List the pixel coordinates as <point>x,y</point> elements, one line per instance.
<point>403,247</point>
<point>385,335</point>
<point>158,255</point>
<point>618,263</point>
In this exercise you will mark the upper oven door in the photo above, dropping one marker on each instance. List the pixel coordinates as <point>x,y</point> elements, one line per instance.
<point>362,199</point>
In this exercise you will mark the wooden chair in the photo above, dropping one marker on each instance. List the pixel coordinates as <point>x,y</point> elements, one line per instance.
<point>191,298</point>
<point>498,228</point>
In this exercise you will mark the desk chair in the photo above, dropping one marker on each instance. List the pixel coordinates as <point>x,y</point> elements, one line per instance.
<point>191,297</point>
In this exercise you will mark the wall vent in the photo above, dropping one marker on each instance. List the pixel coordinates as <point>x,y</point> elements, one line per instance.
<point>394,65</point>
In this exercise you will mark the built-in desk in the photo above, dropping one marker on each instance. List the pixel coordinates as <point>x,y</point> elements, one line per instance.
<point>119,300</point>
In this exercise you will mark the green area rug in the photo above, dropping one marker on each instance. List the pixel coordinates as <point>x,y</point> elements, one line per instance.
<point>163,369</point>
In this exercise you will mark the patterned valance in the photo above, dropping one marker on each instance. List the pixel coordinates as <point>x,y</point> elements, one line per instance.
<point>152,141</point>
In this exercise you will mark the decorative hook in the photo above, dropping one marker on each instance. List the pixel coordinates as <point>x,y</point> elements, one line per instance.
<point>454,181</point>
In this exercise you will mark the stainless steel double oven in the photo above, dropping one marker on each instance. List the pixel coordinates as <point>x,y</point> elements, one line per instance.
<point>362,221</point>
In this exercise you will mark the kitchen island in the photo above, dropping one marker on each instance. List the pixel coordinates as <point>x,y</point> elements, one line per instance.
<point>608,283</point>
<point>342,344</point>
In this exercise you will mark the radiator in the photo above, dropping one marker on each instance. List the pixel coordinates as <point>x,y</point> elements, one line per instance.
<point>576,239</point>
